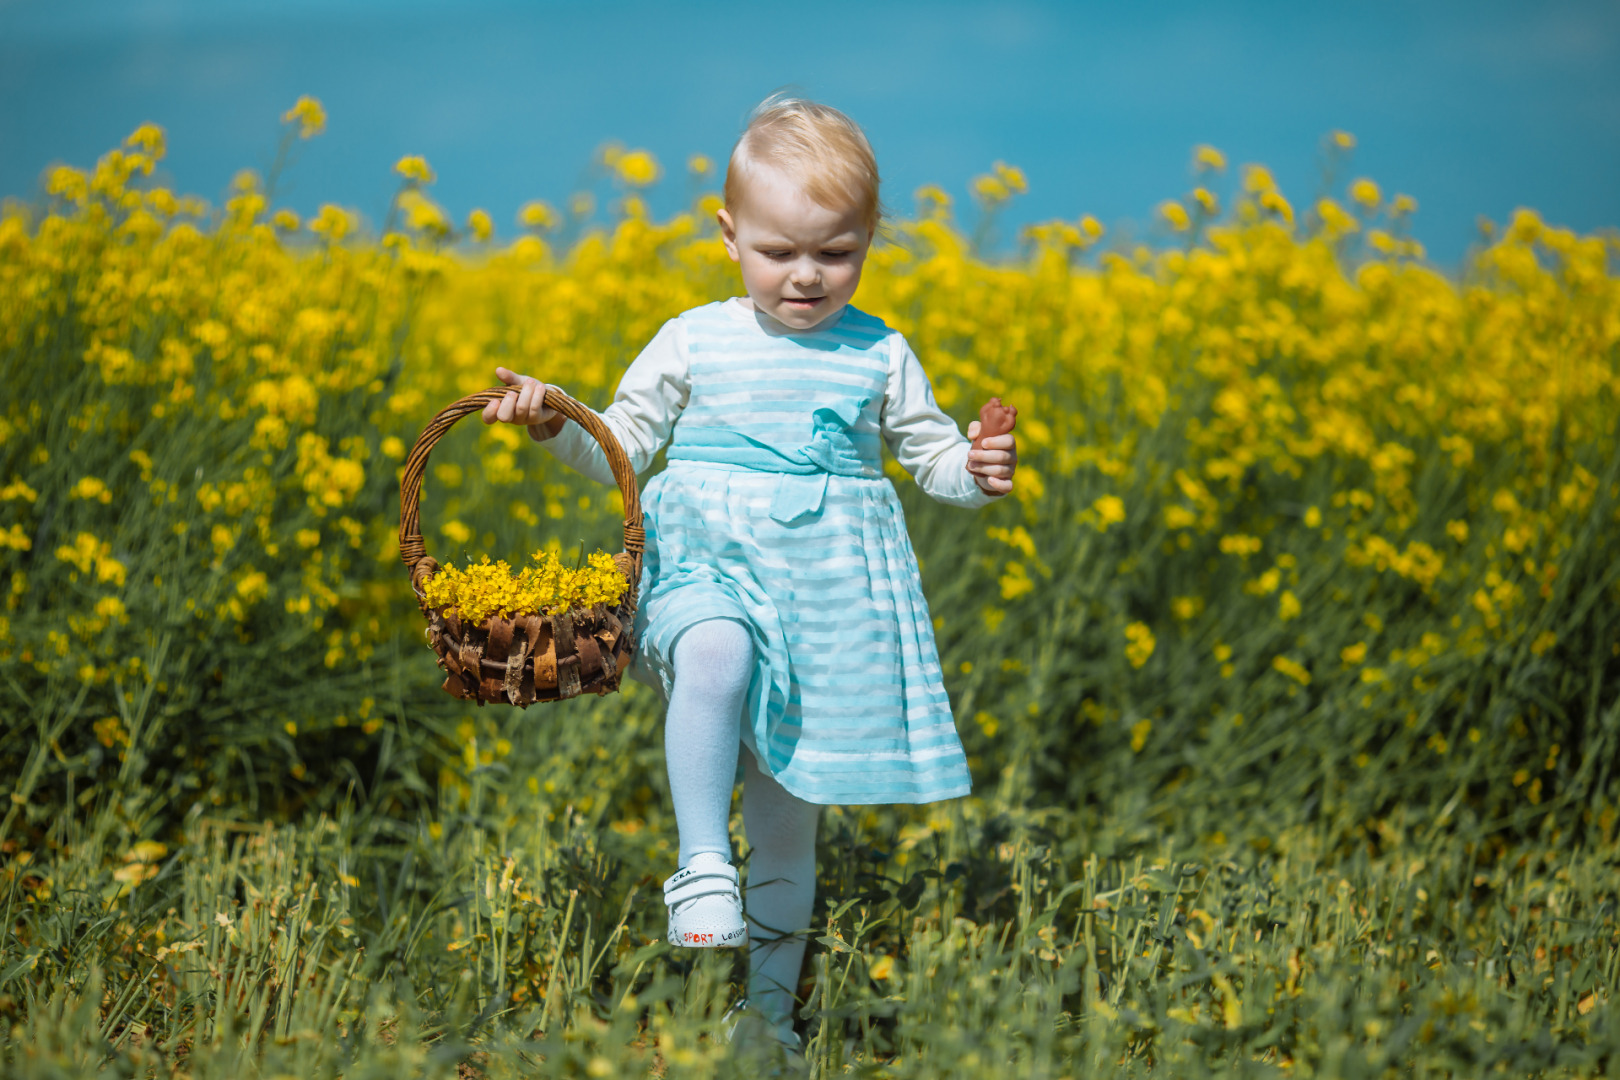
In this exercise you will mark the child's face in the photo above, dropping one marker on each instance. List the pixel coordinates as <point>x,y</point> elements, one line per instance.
<point>800,261</point>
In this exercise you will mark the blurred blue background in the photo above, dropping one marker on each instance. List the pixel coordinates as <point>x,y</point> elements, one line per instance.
<point>1473,108</point>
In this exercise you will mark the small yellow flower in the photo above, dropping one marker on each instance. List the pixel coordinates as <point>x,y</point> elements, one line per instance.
<point>1293,669</point>
<point>332,222</point>
<point>1240,545</point>
<point>990,190</point>
<point>146,851</point>
<point>308,114</point>
<point>285,220</point>
<point>699,165</point>
<point>1139,734</point>
<point>91,487</point>
<point>1110,510</point>
<point>1011,176</point>
<point>1207,157</point>
<point>1343,140</point>
<point>637,168</point>
<point>1366,193</point>
<point>1140,643</point>
<point>149,138</point>
<point>423,215</point>
<point>480,225</point>
<point>68,183</point>
<point>1186,608</point>
<point>537,215</point>
<point>414,167</point>
<point>1273,201</point>
<point>1176,215</point>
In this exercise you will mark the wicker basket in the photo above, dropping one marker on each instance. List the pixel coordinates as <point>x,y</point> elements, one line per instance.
<point>531,657</point>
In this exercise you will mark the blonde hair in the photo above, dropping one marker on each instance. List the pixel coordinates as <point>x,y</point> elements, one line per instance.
<point>815,143</point>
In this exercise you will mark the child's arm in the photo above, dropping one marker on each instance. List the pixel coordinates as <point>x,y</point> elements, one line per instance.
<point>651,395</point>
<point>930,446</point>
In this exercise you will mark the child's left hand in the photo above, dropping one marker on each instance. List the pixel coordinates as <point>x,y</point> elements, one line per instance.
<point>994,462</point>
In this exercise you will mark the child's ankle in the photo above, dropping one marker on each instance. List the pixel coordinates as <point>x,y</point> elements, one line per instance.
<point>699,858</point>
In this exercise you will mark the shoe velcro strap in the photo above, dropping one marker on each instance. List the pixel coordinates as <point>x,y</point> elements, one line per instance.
<point>693,882</point>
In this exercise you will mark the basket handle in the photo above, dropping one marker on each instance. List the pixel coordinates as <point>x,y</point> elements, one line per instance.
<point>414,553</point>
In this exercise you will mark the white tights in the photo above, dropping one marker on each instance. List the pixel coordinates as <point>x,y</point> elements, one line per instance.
<point>714,661</point>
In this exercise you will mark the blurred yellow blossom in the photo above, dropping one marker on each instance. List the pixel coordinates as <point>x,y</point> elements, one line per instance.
<point>414,167</point>
<point>537,215</point>
<point>149,138</point>
<point>637,168</point>
<point>1366,193</point>
<point>1293,669</point>
<point>1208,158</point>
<point>308,114</point>
<point>1175,214</point>
<point>1140,643</point>
<point>332,222</point>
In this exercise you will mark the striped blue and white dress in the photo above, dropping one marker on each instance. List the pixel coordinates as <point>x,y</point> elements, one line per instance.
<point>773,510</point>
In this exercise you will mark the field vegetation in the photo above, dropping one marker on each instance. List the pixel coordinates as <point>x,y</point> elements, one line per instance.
<point>1290,677</point>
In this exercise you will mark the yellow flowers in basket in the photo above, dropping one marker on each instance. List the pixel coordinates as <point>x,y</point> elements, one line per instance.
<point>547,587</point>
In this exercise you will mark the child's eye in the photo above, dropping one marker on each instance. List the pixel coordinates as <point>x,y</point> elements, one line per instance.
<point>834,254</point>
<point>776,254</point>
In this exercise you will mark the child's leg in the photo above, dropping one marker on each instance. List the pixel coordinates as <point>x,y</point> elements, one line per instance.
<point>714,661</point>
<point>781,889</point>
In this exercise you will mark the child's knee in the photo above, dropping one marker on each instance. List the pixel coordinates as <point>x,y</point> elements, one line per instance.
<point>716,655</point>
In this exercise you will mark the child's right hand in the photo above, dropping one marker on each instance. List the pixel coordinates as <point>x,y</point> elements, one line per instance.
<point>524,405</point>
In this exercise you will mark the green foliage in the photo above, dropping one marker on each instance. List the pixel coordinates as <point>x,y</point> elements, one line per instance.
<point>1288,681</point>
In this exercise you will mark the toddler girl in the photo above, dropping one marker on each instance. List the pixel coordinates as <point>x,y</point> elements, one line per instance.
<point>781,608</point>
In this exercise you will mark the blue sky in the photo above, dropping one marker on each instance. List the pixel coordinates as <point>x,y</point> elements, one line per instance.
<point>1473,108</point>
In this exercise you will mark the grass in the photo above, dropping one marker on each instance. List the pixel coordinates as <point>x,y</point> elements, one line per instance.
<point>506,933</point>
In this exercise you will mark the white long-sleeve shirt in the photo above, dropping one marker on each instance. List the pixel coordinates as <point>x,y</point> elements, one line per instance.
<point>655,388</point>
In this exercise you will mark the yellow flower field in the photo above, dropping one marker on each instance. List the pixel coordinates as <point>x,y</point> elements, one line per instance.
<point>1314,556</point>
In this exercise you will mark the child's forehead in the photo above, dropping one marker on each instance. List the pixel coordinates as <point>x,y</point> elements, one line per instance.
<point>774,198</point>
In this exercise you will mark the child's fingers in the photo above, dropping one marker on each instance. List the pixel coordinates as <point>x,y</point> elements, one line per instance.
<point>527,410</point>
<point>509,377</point>
<point>991,457</point>
<point>508,408</point>
<point>493,409</point>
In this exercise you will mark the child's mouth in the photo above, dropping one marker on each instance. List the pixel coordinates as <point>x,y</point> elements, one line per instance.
<point>803,302</point>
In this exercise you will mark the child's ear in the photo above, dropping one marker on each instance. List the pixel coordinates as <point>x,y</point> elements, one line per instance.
<point>728,232</point>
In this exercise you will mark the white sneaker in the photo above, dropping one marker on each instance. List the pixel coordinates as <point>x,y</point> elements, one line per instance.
<point>705,904</point>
